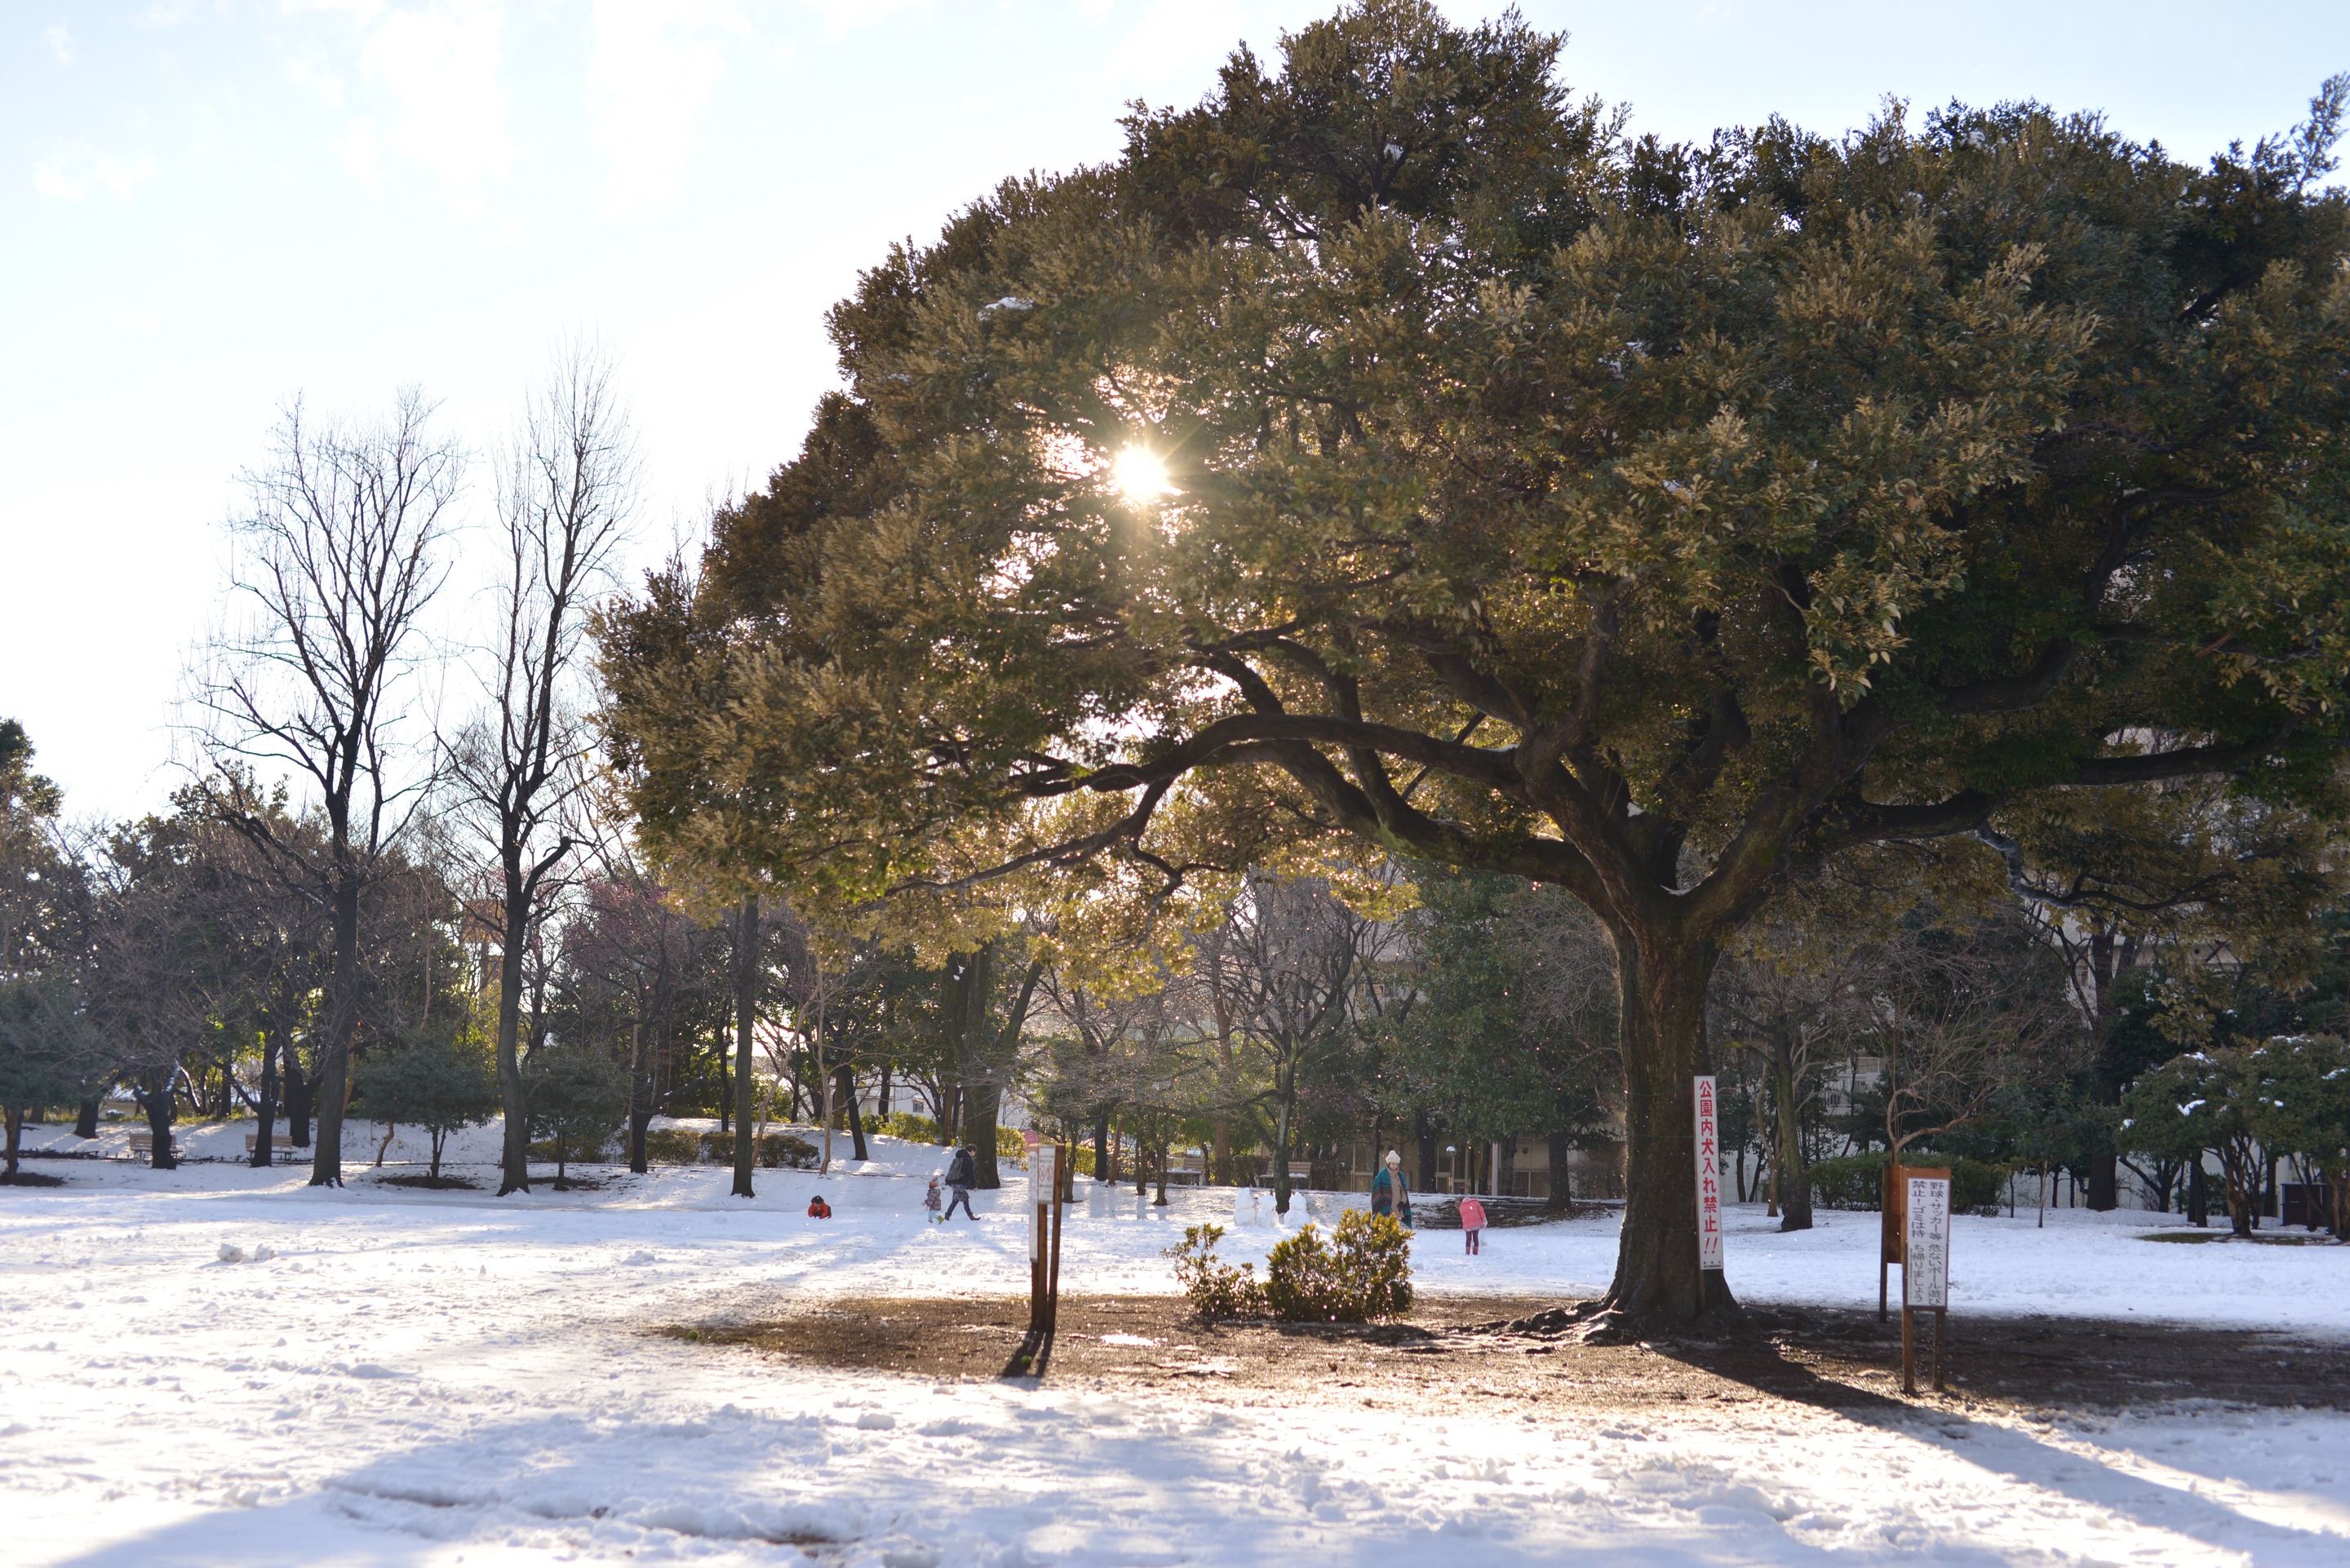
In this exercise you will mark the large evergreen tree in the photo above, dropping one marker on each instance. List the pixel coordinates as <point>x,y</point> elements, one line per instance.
<point>1389,448</point>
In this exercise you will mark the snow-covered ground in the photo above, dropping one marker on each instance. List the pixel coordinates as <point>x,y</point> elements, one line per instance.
<point>431,1377</point>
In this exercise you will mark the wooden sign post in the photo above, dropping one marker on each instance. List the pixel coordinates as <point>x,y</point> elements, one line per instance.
<point>1047,1164</point>
<point>1709,1175</point>
<point>1893,1194</point>
<point>1924,1268</point>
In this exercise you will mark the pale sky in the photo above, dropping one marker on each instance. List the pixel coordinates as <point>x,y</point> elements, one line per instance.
<point>207,206</point>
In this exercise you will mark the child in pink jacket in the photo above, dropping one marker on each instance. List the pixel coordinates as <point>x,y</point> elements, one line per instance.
<point>1472,1222</point>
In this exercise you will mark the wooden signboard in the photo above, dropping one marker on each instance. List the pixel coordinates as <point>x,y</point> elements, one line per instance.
<point>1925,1267</point>
<point>1926,1244</point>
<point>1893,1194</point>
<point>1709,1175</point>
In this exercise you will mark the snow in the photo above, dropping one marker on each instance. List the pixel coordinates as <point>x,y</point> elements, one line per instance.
<point>386,1376</point>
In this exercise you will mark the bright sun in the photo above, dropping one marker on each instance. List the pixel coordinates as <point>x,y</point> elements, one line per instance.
<point>1142,474</point>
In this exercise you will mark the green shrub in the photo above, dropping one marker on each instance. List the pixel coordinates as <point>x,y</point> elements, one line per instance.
<point>1857,1181</point>
<point>1009,1144</point>
<point>564,1152</point>
<point>1364,1274</point>
<point>1216,1289</point>
<point>1361,1275</point>
<point>684,1145</point>
<point>778,1149</point>
<point>576,1095</point>
<point>439,1084</point>
<point>673,1146</point>
<point>1848,1181</point>
<point>908,1125</point>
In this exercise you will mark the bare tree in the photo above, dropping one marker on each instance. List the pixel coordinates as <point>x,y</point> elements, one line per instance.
<point>1281,974</point>
<point>336,563</point>
<point>563,498</point>
<point>632,957</point>
<point>1963,1017</point>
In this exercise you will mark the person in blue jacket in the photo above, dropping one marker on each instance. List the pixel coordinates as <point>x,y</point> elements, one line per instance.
<point>1389,1195</point>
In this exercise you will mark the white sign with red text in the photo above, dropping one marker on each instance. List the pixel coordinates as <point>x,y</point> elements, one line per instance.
<point>1709,1175</point>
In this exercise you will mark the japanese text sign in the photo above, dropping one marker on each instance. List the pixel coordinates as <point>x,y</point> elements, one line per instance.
<point>1926,1263</point>
<point>1709,1175</point>
<point>1043,1174</point>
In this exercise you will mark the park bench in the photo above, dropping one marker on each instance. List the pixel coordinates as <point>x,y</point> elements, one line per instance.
<point>142,1146</point>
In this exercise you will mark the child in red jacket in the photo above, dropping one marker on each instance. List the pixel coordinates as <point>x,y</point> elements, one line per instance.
<point>1472,1223</point>
<point>818,1208</point>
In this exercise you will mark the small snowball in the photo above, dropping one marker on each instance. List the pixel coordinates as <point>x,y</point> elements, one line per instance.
<point>231,1254</point>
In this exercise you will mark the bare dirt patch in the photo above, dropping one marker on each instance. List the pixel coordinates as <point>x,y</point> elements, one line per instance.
<point>1478,1350</point>
<point>431,1183</point>
<point>30,1178</point>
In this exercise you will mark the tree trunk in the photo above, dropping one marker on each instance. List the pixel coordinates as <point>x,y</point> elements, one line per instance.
<point>848,1082</point>
<point>298,1098</point>
<point>440,1135</point>
<point>1424,1144</point>
<point>640,1098</point>
<point>747,1007</point>
<point>2104,1179</point>
<point>159,1100</point>
<point>1102,1171</point>
<point>1658,1286</point>
<point>983,1103</point>
<point>342,1028</point>
<point>513,1165</point>
<point>16,1133</point>
<point>2199,1194</point>
<point>1560,1198</point>
<point>266,1114</point>
<point>725,1087</point>
<point>1284,1089</point>
<point>86,1124</point>
<point>2110,955</point>
<point>1792,1181</point>
<point>973,976</point>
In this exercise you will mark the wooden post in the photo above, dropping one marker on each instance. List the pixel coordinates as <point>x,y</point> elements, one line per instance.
<point>1908,1351</point>
<point>1067,1166</point>
<point>1044,1190</point>
<point>1889,1236</point>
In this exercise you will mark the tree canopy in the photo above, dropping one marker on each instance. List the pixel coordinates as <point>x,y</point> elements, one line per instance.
<point>1651,520</point>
